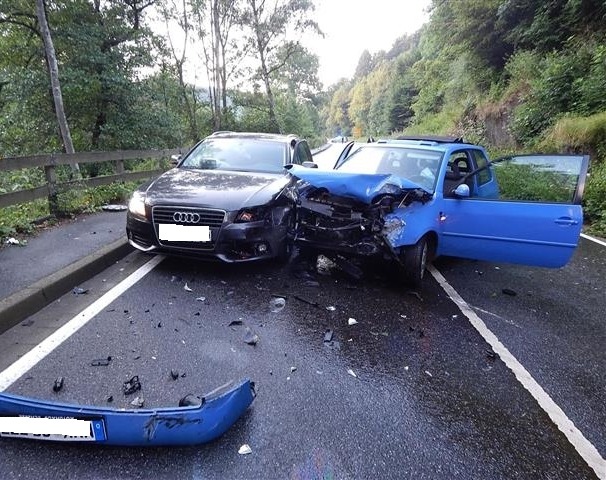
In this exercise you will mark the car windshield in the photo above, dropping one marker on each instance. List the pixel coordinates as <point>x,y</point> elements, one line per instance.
<point>418,166</point>
<point>238,154</point>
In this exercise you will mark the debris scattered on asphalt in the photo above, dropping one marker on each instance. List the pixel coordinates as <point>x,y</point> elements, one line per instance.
<point>137,357</point>
<point>234,323</point>
<point>186,288</point>
<point>352,321</point>
<point>110,399</point>
<point>293,369</point>
<point>328,336</point>
<point>132,385</point>
<point>406,368</point>
<point>250,337</point>
<point>415,294</point>
<point>329,340</point>
<point>276,304</point>
<point>190,400</point>
<point>428,373</point>
<point>101,362</point>
<point>352,373</point>
<point>510,292</point>
<point>455,317</point>
<point>114,208</point>
<point>137,402</point>
<point>79,291</point>
<point>58,385</point>
<point>479,272</point>
<point>174,374</point>
<point>12,241</point>
<point>245,450</point>
<point>201,299</point>
<point>491,355</point>
<point>308,302</point>
<point>331,308</point>
<point>27,323</point>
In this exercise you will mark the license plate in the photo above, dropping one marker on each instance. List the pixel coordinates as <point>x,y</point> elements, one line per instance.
<point>55,429</point>
<point>183,233</point>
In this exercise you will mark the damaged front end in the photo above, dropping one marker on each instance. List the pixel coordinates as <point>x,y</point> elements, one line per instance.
<point>352,215</point>
<point>199,421</point>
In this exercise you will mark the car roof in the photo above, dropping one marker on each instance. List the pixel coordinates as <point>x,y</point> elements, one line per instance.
<point>440,144</point>
<point>273,137</point>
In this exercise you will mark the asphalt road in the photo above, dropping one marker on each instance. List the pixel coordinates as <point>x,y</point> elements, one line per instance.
<point>428,400</point>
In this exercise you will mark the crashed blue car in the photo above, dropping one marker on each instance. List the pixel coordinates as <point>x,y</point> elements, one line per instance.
<point>410,200</point>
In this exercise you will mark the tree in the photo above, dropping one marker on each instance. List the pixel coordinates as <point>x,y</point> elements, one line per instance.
<point>53,71</point>
<point>268,27</point>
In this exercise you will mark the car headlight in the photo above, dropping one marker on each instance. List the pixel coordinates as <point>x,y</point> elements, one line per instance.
<point>253,214</point>
<point>136,205</point>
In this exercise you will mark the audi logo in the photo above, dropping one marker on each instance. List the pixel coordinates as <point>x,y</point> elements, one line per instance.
<point>186,217</point>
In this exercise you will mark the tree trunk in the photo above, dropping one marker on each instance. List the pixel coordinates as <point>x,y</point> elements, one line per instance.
<point>53,70</point>
<point>264,71</point>
<point>217,77</point>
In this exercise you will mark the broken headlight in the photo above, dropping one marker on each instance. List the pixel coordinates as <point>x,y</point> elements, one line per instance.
<point>253,214</point>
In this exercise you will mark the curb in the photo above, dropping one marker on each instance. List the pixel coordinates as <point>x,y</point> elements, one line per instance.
<point>20,305</point>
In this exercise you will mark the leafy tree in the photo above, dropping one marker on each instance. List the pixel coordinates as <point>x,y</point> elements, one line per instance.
<point>270,25</point>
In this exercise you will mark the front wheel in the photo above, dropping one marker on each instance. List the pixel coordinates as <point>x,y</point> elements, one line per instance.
<point>414,263</point>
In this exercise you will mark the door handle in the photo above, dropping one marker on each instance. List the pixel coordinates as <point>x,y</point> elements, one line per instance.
<point>566,221</point>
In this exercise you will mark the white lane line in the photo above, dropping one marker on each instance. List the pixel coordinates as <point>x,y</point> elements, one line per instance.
<point>589,453</point>
<point>40,351</point>
<point>593,239</point>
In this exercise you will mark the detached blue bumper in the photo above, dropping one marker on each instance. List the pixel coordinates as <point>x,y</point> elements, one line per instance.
<point>180,426</point>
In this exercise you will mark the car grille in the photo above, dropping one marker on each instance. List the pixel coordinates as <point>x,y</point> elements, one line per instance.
<point>210,217</point>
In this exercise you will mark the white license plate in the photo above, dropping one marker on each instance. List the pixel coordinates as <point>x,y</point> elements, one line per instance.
<point>183,233</point>
<point>56,429</point>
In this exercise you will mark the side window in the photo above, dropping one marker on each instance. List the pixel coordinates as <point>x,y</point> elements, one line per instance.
<point>484,176</point>
<point>458,166</point>
<point>302,153</point>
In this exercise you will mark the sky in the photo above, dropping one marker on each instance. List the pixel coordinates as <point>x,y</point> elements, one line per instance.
<point>352,26</point>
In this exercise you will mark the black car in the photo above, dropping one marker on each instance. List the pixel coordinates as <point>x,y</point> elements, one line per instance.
<point>227,199</point>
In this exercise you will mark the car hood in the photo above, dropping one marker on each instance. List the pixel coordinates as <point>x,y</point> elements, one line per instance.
<point>215,188</point>
<point>361,186</point>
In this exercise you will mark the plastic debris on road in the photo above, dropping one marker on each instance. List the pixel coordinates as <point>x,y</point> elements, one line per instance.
<point>174,374</point>
<point>114,208</point>
<point>352,373</point>
<point>101,362</point>
<point>58,385</point>
<point>132,385</point>
<point>14,241</point>
<point>138,402</point>
<point>245,450</point>
<point>352,321</point>
<point>510,292</point>
<point>186,288</point>
<point>80,291</point>
<point>250,337</point>
<point>201,299</point>
<point>331,308</point>
<point>276,304</point>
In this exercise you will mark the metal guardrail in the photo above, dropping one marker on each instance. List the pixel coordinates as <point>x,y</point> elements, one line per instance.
<point>50,161</point>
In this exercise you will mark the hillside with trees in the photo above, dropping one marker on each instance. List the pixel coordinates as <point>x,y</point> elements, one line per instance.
<point>514,75</point>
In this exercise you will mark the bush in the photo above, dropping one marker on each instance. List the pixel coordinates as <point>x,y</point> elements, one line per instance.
<point>578,134</point>
<point>595,199</point>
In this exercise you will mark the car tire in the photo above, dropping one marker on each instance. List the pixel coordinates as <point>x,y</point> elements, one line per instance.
<point>414,263</point>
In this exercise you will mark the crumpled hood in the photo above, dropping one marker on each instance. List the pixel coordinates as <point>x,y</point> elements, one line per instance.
<point>215,188</point>
<point>360,186</point>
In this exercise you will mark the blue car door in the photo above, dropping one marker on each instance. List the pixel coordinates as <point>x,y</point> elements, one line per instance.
<point>536,219</point>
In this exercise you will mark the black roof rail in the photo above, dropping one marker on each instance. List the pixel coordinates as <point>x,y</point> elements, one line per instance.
<point>432,138</point>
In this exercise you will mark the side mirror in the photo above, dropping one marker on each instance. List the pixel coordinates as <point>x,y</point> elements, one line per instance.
<point>462,191</point>
<point>175,159</point>
<point>309,164</point>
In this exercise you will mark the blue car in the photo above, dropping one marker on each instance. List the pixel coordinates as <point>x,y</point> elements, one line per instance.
<point>410,200</point>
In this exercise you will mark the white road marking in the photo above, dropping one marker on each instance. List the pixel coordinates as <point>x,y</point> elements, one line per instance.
<point>40,351</point>
<point>585,448</point>
<point>593,239</point>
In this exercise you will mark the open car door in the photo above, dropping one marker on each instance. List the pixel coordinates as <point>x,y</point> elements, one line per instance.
<point>536,219</point>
